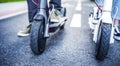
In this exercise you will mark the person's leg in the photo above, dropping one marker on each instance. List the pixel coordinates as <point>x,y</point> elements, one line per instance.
<point>99,2</point>
<point>116,17</point>
<point>32,10</point>
<point>116,12</point>
<point>116,29</point>
<point>56,3</point>
<point>56,11</point>
<point>116,22</point>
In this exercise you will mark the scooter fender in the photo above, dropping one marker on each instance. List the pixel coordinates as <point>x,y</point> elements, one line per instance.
<point>39,17</point>
<point>106,14</point>
<point>106,17</point>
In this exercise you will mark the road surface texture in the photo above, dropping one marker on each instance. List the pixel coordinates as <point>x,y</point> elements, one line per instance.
<point>72,46</point>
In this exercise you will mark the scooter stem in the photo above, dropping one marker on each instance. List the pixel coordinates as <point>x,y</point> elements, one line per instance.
<point>106,14</point>
<point>43,10</point>
<point>107,5</point>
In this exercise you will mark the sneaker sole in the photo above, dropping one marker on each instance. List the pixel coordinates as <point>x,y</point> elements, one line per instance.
<point>22,35</point>
<point>117,38</point>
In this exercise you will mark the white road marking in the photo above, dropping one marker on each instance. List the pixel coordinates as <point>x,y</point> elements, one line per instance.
<point>78,7</point>
<point>76,21</point>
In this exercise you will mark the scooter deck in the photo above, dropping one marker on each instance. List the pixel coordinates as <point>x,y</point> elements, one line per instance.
<point>55,25</point>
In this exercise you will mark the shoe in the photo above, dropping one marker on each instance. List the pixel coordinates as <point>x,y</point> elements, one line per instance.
<point>117,32</point>
<point>55,15</point>
<point>25,32</point>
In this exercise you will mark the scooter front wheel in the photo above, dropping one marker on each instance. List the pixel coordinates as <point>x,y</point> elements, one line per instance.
<point>38,41</point>
<point>103,41</point>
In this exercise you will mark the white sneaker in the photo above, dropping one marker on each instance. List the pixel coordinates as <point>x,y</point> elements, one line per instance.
<point>55,15</point>
<point>25,32</point>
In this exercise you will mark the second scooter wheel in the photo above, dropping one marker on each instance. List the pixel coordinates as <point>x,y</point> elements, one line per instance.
<point>38,42</point>
<point>103,41</point>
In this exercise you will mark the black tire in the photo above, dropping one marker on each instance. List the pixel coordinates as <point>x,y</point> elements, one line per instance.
<point>38,41</point>
<point>62,27</point>
<point>103,44</point>
<point>64,15</point>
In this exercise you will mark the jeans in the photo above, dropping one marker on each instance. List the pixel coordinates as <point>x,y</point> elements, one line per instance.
<point>116,10</point>
<point>99,2</point>
<point>33,5</point>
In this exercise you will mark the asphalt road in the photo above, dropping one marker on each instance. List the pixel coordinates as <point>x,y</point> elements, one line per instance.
<point>72,46</point>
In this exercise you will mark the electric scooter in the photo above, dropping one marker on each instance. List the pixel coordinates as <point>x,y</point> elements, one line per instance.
<point>101,24</point>
<point>42,27</point>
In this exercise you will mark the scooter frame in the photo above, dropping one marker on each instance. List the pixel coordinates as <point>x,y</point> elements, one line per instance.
<point>41,27</point>
<point>97,35</point>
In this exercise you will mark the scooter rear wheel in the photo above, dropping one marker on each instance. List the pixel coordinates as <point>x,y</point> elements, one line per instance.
<point>38,41</point>
<point>103,41</point>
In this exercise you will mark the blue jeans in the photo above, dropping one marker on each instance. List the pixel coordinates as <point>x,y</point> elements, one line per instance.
<point>99,2</point>
<point>32,7</point>
<point>116,10</point>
